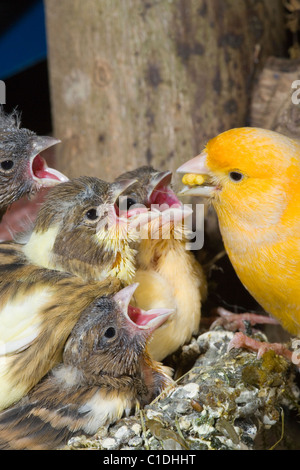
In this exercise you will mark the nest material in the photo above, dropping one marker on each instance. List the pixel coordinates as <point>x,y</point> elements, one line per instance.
<point>227,401</point>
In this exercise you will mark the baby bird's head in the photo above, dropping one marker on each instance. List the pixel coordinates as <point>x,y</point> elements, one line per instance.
<point>108,345</point>
<point>22,169</point>
<point>81,229</point>
<point>151,187</point>
<point>246,173</point>
<point>154,190</point>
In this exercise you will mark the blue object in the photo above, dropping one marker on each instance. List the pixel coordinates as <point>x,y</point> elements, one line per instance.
<point>24,44</point>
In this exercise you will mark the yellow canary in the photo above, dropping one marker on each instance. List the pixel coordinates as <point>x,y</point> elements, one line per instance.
<point>167,272</point>
<point>252,178</point>
<point>106,372</point>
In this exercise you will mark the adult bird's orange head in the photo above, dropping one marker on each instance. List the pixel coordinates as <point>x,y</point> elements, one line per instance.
<point>252,178</point>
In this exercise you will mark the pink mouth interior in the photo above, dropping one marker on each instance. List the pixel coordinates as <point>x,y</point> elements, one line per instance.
<point>39,169</point>
<point>164,195</point>
<point>136,315</point>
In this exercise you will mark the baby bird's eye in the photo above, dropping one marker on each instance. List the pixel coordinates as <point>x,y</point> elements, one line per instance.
<point>105,340</point>
<point>124,203</point>
<point>110,332</point>
<point>236,176</point>
<point>7,165</point>
<point>91,214</point>
<point>130,202</point>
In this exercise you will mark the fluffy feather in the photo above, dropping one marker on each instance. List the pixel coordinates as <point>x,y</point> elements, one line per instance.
<point>79,231</point>
<point>168,274</point>
<point>38,309</point>
<point>76,252</point>
<point>106,372</point>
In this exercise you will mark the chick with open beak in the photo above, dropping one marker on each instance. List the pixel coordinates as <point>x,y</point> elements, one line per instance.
<point>168,274</point>
<point>81,229</point>
<point>106,372</point>
<point>22,168</point>
<point>82,244</point>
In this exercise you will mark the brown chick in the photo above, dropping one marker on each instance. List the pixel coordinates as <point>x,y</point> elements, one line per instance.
<point>38,309</point>
<point>106,372</point>
<point>168,274</point>
<point>22,169</point>
<point>80,229</point>
<point>79,250</point>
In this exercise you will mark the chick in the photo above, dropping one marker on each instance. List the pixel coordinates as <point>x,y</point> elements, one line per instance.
<point>38,309</point>
<point>252,178</point>
<point>168,274</point>
<point>79,249</point>
<point>80,229</point>
<point>106,372</point>
<point>22,169</point>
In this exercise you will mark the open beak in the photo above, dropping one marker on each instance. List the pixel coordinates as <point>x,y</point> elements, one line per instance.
<point>114,214</point>
<point>119,187</point>
<point>165,206</point>
<point>40,172</point>
<point>137,318</point>
<point>138,214</point>
<point>196,166</point>
<point>160,192</point>
<point>159,180</point>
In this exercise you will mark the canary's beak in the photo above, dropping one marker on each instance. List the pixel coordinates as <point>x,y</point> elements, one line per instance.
<point>195,185</point>
<point>39,170</point>
<point>137,318</point>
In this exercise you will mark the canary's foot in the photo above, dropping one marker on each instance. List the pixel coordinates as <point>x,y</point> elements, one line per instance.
<point>242,341</point>
<point>237,321</point>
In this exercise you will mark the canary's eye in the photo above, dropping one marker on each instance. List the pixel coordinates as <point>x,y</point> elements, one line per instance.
<point>92,214</point>
<point>124,203</point>
<point>110,332</point>
<point>7,165</point>
<point>236,176</point>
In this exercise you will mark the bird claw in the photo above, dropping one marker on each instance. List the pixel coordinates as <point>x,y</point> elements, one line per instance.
<point>238,321</point>
<point>240,340</point>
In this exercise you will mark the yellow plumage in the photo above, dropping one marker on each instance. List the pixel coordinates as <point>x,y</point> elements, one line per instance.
<point>254,176</point>
<point>39,247</point>
<point>38,309</point>
<point>170,277</point>
<point>168,274</point>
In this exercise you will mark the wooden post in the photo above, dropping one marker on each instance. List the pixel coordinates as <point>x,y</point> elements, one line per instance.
<point>276,97</point>
<point>148,82</point>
